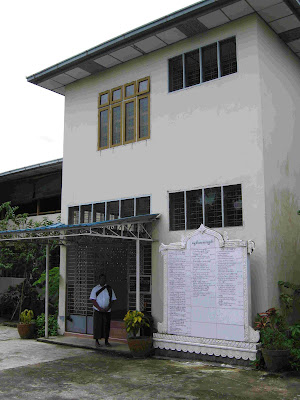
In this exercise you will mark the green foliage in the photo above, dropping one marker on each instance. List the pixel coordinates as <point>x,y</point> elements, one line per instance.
<point>134,321</point>
<point>273,330</point>
<point>53,284</point>
<point>26,316</point>
<point>289,295</point>
<point>52,325</point>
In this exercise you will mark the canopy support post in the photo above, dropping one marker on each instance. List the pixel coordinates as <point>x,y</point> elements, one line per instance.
<point>47,291</point>
<point>138,307</point>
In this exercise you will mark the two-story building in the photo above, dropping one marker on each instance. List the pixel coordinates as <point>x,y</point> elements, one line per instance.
<point>193,117</point>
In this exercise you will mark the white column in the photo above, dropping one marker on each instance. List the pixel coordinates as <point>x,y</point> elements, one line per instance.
<point>47,291</point>
<point>62,289</point>
<point>138,274</point>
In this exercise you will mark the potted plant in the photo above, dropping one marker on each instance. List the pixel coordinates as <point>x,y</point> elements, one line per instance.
<point>274,338</point>
<point>26,326</point>
<point>140,346</point>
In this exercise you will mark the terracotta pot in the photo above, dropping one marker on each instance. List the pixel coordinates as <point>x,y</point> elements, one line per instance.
<point>276,360</point>
<point>140,347</point>
<point>26,331</point>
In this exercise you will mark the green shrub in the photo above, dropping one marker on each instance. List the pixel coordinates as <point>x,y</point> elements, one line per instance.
<point>52,325</point>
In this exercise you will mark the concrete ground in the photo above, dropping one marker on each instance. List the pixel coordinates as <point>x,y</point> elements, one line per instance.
<point>30,369</point>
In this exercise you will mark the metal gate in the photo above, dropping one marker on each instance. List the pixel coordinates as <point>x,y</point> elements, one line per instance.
<point>117,259</point>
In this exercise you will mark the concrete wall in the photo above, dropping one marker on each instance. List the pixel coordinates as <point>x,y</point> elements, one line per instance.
<point>206,135</point>
<point>6,282</point>
<point>280,93</point>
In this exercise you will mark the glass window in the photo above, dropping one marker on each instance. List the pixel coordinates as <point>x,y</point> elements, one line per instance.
<point>104,99</point>
<point>129,90</point>
<point>129,126</point>
<point>143,118</point>
<point>86,214</point>
<point>213,207</point>
<point>112,210</point>
<point>127,208</point>
<point>228,56</point>
<point>116,125</point>
<point>116,94</point>
<point>143,85</point>
<point>192,68</point>
<point>73,215</point>
<point>233,210</point>
<point>175,73</point>
<point>99,212</point>
<point>194,209</point>
<point>176,211</point>
<point>209,62</point>
<point>103,128</point>
<point>143,205</point>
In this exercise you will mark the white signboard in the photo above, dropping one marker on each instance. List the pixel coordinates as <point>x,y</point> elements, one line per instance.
<point>207,285</point>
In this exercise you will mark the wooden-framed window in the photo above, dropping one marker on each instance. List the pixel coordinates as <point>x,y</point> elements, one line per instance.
<point>143,85</point>
<point>104,99</point>
<point>143,112</point>
<point>116,95</point>
<point>129,90</point>
<point>116,125</point>
<point>103,128</point>
<point>203,64</point>
<point>129,121</point>
<point>214,207</point>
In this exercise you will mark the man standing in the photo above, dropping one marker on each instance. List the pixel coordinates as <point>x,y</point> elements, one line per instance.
<point>102,297</point>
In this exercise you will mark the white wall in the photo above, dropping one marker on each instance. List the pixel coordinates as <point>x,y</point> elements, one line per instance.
<point>206,135</point>
<point>280,92</point>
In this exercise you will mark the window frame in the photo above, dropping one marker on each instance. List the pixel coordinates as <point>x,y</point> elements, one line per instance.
<point>132,100</point>
<point>147,78</point>
<point>99,128</point>
<point>112,93</point>
<point>138,117</point>
<point>99,99</point>
<point>111,125</point>
<point>135,91</point>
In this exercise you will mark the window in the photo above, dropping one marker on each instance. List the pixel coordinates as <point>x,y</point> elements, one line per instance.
<point>109,210</point>
<point>203,64</point>
<point>124,121</point>
<point>214,207</point>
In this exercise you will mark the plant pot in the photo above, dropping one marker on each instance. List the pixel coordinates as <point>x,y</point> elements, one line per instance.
<point>26,331</point>
<point>276,360</point>
<point>140,347</point>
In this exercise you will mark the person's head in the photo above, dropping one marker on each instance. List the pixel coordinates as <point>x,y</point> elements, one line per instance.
<point>102,279</point>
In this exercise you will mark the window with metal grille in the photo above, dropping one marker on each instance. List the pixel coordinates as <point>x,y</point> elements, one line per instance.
<point>99,212</point>
<point>214,207</point>
<point>175,74</point>
<point>112,210</point>
<point>228,56</point>
<point>209,62</point>
<point>233,210</point>
<point>194,209</point>
<point>192,68</point>
<point>203,64</point>
<point>127,208</point>
<point>176,211</point>
<point>143,205</point>
<point>73,215</point>
<point>86,214</point>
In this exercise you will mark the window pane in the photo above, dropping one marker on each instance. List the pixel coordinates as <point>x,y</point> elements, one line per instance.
<point>73,215</point>
<point>99,212</point>
<point>127,208</point>
<point>175,74</point>
<point>228,56</point>
<point>192,68</point>
<point>213,207</point>
<point>112,210</point>
<point>143,118</point>
<point>129,90</point>
<point>117,95</point>
<point>209,62</point>
<point>176,211</point>
<point>194,209</point>
<point>143,205</point>
<point>104,128</point>
<point>233,211</point>
<point>86,214</point>
<point>104,98</point>
<point>129,121</point>
<point>116,125</point>
<point>143,85</point>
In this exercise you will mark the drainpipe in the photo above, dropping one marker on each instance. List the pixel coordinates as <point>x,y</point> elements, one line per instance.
<point>47,291</point>
<point>137,301</point>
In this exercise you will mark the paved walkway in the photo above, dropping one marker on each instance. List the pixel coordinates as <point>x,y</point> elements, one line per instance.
<point>34,370</point>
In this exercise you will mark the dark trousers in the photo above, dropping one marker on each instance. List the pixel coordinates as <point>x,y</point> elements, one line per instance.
<point>101,324</point>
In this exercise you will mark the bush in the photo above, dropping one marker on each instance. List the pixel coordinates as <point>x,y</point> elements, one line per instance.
<point>52,325</point>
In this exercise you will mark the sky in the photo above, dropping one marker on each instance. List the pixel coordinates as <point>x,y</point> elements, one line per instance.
<point>36,35</point>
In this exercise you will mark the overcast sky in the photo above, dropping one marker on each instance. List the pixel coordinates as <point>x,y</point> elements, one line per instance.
<point>37,34</point>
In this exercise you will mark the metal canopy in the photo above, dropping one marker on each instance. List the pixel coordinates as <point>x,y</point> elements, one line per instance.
<point>138,227</point>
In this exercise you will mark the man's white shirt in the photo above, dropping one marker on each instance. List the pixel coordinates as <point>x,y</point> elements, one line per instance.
<point>102,298</point>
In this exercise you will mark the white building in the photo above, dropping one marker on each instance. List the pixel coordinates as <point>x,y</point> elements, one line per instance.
<point>193,117</point>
